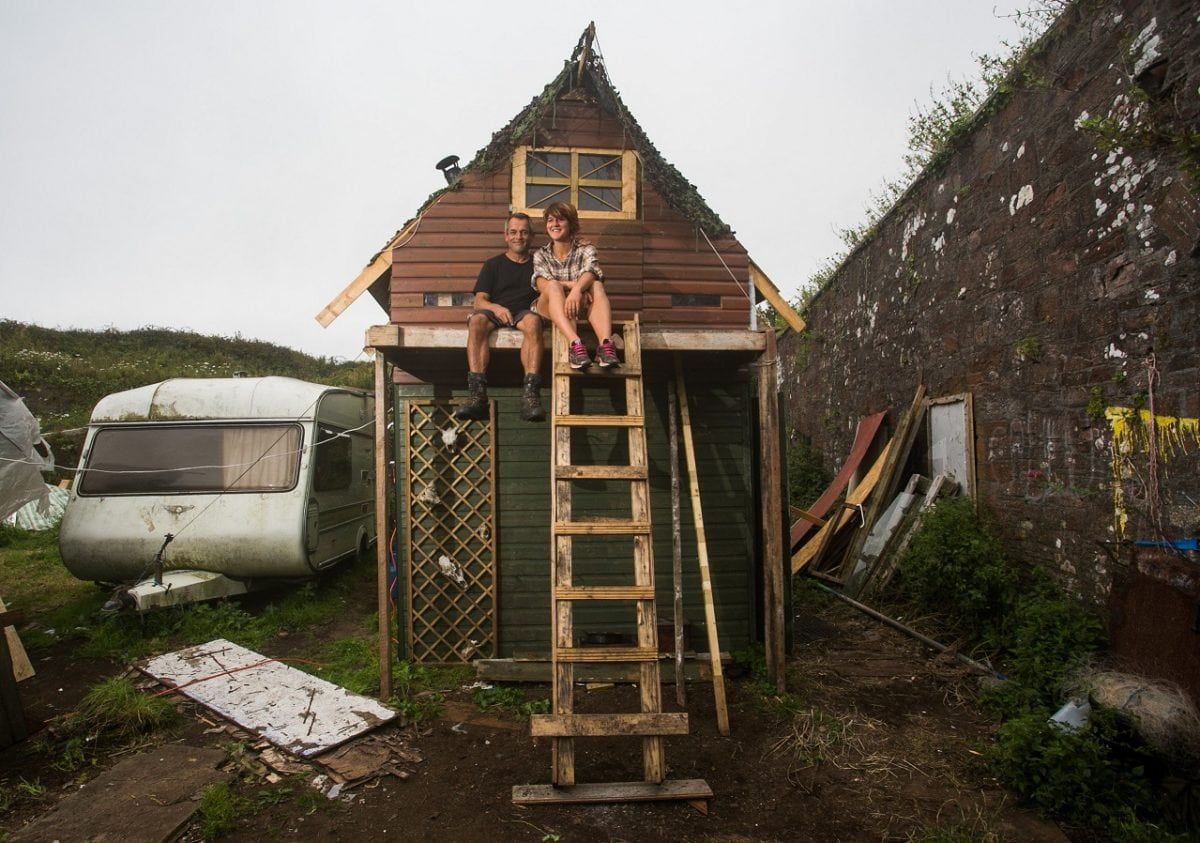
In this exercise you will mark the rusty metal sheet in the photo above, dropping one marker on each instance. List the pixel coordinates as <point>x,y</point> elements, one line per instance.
<point>1154,611</point>
<point>291,709</point>
<point>867,426</point>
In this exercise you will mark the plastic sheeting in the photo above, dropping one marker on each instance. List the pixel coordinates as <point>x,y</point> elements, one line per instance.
<point>39,514</point>
<point>24,455</point>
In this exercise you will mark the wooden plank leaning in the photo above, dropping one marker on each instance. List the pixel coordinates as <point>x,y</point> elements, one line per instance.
<point>774,578</point>
<point>710,614</point>
<point>381,534</point>
<point>885,489</point>
<point>676,545</point>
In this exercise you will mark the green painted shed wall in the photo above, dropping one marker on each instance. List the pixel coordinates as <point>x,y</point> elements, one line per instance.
<point>723,420</point>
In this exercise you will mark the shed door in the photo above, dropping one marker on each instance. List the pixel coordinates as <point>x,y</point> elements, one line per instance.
<point>450,490</point>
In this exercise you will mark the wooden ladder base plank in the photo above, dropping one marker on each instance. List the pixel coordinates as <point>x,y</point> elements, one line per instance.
<point>686,790</point>
<point>607,654</point>
<point>582,420</point>
<point>601,528</point>
<point>605,592</point>
<point>604,725</point>
<point>600,472</point>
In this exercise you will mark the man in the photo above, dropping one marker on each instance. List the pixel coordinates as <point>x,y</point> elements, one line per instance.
<point>504,299</point>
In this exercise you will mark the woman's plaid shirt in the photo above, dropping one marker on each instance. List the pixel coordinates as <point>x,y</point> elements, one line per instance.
<point>581,259</point>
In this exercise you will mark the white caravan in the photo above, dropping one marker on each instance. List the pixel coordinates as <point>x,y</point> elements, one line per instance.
<point>251,478</point>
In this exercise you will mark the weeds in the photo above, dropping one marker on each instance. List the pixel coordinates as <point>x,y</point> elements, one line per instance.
<point>511,699</point>
<point>118,710</point>
<point>220,811</point>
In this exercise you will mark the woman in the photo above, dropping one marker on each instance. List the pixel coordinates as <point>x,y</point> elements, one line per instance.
<point>567,275</point>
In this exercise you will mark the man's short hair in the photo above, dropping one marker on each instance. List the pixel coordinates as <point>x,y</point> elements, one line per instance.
<point>564,211</point>
<point>518,215</point>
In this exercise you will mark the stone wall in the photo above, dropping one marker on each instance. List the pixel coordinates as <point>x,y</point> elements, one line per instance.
<point>1051,266</point>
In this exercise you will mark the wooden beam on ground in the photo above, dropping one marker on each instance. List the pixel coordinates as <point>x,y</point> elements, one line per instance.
<point>676,544</point>
<point>771,293</point>
<point>545,794</point>
<point>382,392</point>
<point>810,552</point>
<point>771,477</point>
<point>710,613</point>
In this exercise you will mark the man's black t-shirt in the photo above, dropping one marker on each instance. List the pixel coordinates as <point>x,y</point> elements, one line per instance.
<point>507,283</point>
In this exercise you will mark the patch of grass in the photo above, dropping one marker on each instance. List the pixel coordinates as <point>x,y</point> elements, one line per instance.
<point>126,636</point>
<point>117,709</point>
<point>35,581</point>
<point>352,663</point>
<point>509,698</point>
<point>752,664</point>
<point>220,811</point>
<point>33,789</point>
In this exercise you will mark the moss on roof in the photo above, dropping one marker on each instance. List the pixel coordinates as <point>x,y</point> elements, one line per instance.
<point>679,193</point>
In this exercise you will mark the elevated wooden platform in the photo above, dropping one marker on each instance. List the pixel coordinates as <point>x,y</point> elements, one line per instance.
<point>437,354</point>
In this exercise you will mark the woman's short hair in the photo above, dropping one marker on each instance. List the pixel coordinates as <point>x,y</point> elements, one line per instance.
<point>564,211</point>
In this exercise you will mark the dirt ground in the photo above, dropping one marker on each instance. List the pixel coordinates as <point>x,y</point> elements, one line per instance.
<point>876,741</point>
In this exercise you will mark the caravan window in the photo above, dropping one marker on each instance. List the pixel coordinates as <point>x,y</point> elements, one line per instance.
<point>333,466</point>
<point>179,459</point>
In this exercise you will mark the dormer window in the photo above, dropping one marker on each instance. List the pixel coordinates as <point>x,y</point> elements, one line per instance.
<point>601,183</point>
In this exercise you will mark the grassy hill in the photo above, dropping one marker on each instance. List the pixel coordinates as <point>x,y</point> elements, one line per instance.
<point>62,374</point>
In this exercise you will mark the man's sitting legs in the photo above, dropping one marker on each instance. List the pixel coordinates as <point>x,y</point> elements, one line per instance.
<point>479,329</point>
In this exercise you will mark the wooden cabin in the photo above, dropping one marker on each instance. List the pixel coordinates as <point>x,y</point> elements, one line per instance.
<point>471,516</point>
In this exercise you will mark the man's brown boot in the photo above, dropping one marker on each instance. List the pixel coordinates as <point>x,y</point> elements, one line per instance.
<point>476,405</point>
<point>531,400</point>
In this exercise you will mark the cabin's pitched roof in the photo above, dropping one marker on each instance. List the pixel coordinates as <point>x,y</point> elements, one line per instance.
<point>583,75</point>
<point>584,71</point>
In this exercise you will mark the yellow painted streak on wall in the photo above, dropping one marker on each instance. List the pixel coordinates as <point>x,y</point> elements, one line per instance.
<point>1131,436</point>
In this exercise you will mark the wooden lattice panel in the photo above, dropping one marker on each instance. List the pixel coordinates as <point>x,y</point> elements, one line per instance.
<point>451,543</point>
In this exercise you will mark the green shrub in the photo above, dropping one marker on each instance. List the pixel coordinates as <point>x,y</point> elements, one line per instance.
<point>1091,776</point>
<point>806,472</point>
<point>956,567</point>
<point>1053,634</point>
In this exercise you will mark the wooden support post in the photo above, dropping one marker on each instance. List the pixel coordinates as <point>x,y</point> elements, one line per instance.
<point>772,511</point>
<point>676,544</point>
<point>710,614</point>
<point>382,393</point>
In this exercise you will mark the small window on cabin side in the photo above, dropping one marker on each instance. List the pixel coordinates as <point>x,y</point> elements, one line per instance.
<point>601,183</point>
<point>333,468</point>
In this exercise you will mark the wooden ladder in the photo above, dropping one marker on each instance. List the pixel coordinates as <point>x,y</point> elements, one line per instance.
<point>564,725</point>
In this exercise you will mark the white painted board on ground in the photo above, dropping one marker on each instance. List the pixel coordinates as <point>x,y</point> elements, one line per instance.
<point>291,709</point>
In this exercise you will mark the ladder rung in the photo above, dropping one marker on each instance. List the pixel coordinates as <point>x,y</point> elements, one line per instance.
<point>600,472</point>
<point>600,725</point>
<point>599,421</point>
<point>600,528</point>
<point>605,592</point>
<point>597,372</point>
<point>606,654</point>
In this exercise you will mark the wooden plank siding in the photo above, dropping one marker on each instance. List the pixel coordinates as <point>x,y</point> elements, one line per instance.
<point>723,416</point>
<point>646,261</point>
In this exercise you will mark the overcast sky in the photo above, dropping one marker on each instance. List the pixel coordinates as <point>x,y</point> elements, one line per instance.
<point>228,167</point>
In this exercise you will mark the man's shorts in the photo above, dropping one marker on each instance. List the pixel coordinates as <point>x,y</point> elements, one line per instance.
<point>517,317</point>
